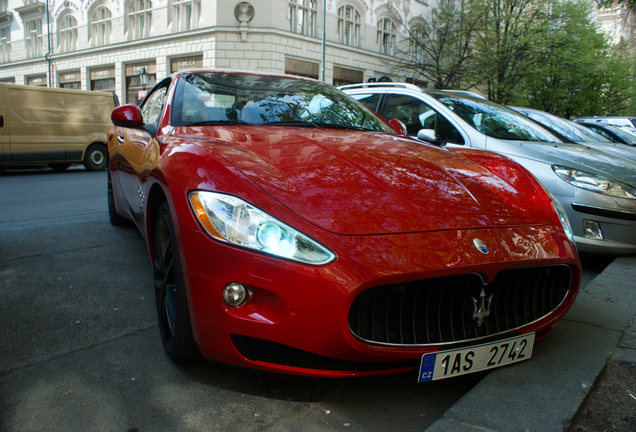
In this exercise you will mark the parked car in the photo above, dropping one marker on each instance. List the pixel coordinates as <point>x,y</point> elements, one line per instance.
<point>292,230</point>
<point>595,187</point>
<point>614,121</point>
<point>54,126</point>
<point>614,133</point>
<point>571,132</point>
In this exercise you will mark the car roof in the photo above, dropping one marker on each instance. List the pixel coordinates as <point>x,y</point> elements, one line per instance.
<point>405,86</point>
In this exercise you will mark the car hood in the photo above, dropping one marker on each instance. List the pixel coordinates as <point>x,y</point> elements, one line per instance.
<point>358,183</point>
<point>593,159</point>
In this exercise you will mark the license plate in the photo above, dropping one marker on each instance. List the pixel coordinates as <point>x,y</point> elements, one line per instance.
<point>477,358</point>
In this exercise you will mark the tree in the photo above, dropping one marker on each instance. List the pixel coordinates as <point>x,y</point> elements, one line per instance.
<point>504,46</point>
<point>576,72</point>
<point>438,48</point>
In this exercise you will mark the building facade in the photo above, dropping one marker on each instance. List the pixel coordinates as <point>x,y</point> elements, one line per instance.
<point>617,21</point>
<point>103,45</point>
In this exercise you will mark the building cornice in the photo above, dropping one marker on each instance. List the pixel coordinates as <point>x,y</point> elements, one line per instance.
<point>33,10</point>
<point>197,32</point>
<point>6,18</point>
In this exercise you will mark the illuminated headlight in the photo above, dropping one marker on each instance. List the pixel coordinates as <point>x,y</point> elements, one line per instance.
<point>595,183</point>
<point>563,217</point>
<point>233,220</point>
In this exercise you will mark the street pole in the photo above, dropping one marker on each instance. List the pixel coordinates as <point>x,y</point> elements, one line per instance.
<point>324,35</point>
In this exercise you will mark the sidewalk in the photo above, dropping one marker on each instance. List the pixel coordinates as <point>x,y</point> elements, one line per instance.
<point>544,393</point>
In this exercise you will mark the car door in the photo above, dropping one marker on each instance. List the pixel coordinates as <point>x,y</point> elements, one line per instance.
<point>416,114</point>
<point>137,148</point>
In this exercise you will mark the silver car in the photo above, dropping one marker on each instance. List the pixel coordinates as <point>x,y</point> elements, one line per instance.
<point>596,187</point>
<point>571,132</point>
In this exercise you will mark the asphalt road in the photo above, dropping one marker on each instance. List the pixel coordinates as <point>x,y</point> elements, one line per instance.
<point>80,349</point>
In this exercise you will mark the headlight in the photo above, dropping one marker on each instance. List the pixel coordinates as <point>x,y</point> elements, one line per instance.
<point>595,183</point>
<point>233,220</point>
<point>563,217</point>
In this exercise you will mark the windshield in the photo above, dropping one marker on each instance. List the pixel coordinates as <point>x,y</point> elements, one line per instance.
<point>592,135</point>
<point>566,128</point>
<point>492,119</point>
<point>623,134</point>
<point>209,99</point>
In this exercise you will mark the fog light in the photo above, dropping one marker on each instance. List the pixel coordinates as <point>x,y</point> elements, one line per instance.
<point>592,229</point>
<point>234,294</point>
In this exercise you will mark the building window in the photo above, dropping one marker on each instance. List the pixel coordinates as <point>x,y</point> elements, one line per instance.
<point>185,14</point>
<point>386,36</point>
<point>302,17</point>
<point>5,45</point>
<point>349,26</point>
<point>100,26</point>
<point>67,38</point>
<point>33,38</point>
<point>139,19</point>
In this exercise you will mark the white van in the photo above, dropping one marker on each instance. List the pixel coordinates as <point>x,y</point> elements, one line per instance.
<point>54,126</point>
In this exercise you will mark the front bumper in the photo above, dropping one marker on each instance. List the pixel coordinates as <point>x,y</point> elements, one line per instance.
<point>296,319</point>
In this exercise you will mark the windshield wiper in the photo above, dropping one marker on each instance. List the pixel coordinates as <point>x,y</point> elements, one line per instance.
<point>291,123</point>
<point>343,126</point>
<point>218,123</point>
<point>317,124</point>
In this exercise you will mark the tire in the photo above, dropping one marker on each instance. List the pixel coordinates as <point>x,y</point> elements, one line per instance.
<point>115,218</point>
<point>59,167</point>
<point>95,157</point>
<point>172,303</point>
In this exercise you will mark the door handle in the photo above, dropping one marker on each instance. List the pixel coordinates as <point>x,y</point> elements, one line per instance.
<point>120,139</point>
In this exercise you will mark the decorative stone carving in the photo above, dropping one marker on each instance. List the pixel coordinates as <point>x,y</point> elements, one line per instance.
<point>244,13</point>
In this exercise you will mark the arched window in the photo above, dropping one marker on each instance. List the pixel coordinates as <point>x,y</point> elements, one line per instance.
<point>138,18</point>
<point>185,14</point>
<point>302,17</point>
<point>67,33</point>
<point>349,26</point>
<point>386,36</point>
<point>100,26</point>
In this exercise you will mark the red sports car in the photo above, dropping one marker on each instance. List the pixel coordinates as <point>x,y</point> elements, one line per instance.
<point>293,230</point>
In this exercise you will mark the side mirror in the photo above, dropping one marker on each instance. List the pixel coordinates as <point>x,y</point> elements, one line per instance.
<point>398,126</point>
<point>429,136</point>
<point>128,116</point>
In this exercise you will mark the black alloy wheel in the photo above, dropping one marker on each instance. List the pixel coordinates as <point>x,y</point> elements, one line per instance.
<point>172,303</point>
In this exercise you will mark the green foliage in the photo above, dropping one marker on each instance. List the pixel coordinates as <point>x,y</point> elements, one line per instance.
<point>510,33</point>
<point>545,54</point>
<point>576,71</point>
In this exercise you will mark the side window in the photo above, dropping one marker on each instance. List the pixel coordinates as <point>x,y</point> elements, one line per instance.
<point>417,115</point>
<point>369,100</point>
<point>153,106</point>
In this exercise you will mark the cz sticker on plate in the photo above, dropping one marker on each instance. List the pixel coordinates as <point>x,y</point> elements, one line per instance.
<point>446,364</point>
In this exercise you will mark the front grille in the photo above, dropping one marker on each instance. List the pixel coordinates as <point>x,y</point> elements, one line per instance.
<point>446,309</point>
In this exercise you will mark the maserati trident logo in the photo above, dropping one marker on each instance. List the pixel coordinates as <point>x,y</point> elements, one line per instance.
<point>481,309</point>
<point>481,246</point>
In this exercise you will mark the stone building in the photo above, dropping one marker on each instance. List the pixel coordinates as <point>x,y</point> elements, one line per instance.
<point>104,44</point>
